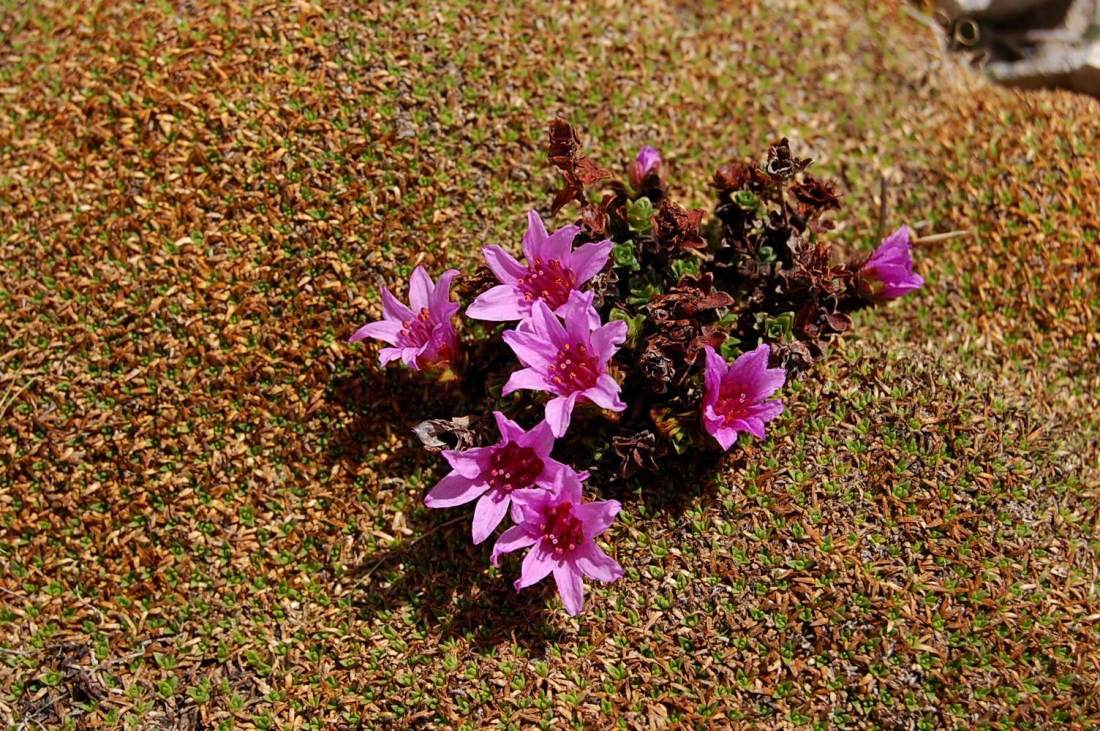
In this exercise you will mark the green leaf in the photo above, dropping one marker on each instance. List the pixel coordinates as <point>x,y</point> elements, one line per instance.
<point>642,290</point>
<point>634,323</point>
<point>746,200</point>
<point>688,265</point>
<point>639,214</point>
<point>729,349</point>
<point>624,256</point>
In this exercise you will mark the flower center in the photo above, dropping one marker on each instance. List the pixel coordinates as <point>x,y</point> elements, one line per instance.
<point>416,331</point>
<point>550,281</point>
<point>733,401</point>
<point>561,528</point>
<point>513,467</point>
<point>574,369</point>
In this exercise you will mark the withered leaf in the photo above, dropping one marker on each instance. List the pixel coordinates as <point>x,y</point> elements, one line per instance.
<point>566,194</point>
<point>732,176</point>
<point>439,434</point>
<point>595,219</point>
<point>637,452</point>
<point>781,164</point>
<point>589,172</point>
<point>563,143</point>
<point>676,229</point>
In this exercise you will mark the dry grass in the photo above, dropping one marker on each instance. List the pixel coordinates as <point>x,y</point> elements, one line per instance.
<point>209,504</point>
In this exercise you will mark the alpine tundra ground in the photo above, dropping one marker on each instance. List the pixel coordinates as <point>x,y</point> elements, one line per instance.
<point>210,504</point>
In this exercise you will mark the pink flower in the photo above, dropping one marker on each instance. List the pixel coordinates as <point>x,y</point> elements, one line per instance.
<point>888,274</point>
<point>423,335</point>
<point>567,361</point>
<point>520,460</point>
<point>560,529</point>
<point>734,400</point>
<point>553,270</point>
<point>648,160</point>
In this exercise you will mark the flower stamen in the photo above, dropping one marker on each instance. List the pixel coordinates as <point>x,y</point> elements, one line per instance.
<point>551,282</point>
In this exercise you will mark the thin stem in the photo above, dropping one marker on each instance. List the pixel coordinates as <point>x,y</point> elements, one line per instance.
<point>410,544</point>
<point>936,238</point>
<point>882,206</point>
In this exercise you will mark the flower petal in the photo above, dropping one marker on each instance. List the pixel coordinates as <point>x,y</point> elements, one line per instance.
<point>551,469</point>
<point>892,264</point>
<point>540,439</point>
<point>558,244</point>
<point>388,355</point>
<point>597,516</point>
<point>559,411</point>
<point>579,315</point>
<point>711,419</point>
<point>608,339</point>
<point>746,367</point>
<point>588,260</point>
<point>605,394</point>
<point>536,565</point>
<point>753,422</point>
<point>892,269</point>
<point>726,436</point>
<point>714,371</point>
<point>910,283</point>
<point>768,382</point>
<point>566,487</point>
<point>750,425</point>
<point>766,410</point>
<point>525,379</point>
<point>647,159</point>
<point>528,504</point>
<point>596,564</point>
<point>384,330</point>
<point>452,490</point>
<point>505,266</point>
<point>468,462</point>
<point>510,540</point>
<point>509,430</point>
<point>531,350</point>
<point>393,308</point>
<point>545,325</point>
<point>440,300</point>
<point>498,304</point>
<point>442,341</point>
<point>894,247</point>
<point>420,290</point>
<point>568,579</point>
<point>490,510</point>
<point>535,236</point>
<point>409,356</point>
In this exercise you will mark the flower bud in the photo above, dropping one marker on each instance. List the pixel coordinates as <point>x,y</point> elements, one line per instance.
<point>646,163</point>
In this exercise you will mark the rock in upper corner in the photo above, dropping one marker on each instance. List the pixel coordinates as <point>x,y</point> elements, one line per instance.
<point>1030,43</point>
<point>989,9</point>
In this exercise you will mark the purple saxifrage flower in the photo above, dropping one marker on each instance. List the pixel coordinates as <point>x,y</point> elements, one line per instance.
<point>568,361</point>
<point>889,274</point>
<point>520,460</point>
<point>553,270</point>
<point>648,160</point>
<point>422,335</point>
<point>560,529</point>
<point>734,400</point>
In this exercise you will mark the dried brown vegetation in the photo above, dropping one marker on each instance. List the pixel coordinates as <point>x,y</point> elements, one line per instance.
<point>210,505</point>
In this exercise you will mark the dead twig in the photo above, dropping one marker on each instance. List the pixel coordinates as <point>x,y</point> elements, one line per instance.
<point>938,238</point>
<point>5,402</point>
<point>410,544</point>
<point>882,206</point>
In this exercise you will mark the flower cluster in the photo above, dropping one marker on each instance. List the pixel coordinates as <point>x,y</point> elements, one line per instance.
<point>422,333</point>
<point>666,336</point>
